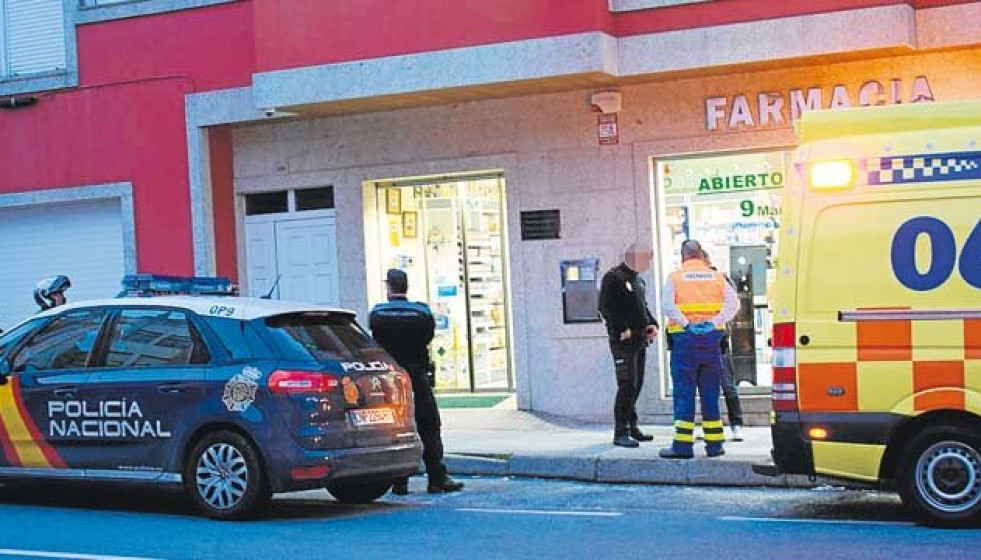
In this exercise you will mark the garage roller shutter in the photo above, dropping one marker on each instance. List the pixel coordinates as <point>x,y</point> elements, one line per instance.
<point>81,240</point>
<point>34,36</point>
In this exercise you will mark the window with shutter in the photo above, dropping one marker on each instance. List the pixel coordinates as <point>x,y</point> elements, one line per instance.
<point>32,38</point>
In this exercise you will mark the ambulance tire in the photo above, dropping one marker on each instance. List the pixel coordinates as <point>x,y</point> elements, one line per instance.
<point>361,493</point>
<point>225,477</point>
<point>939,477</point>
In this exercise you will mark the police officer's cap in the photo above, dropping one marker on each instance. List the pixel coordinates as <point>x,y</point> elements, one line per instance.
<point>396,279</point>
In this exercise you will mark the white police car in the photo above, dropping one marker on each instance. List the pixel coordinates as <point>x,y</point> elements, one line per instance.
<point>232,398</point>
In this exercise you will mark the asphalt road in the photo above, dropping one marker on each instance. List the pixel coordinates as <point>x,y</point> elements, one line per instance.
<point>492,518</point>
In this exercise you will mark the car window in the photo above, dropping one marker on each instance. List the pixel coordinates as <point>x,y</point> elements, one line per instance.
<point>65,343</point>
<point>154,337</point>
<point>11,338</point>
<point>301,336</point>
<point>239,338</point>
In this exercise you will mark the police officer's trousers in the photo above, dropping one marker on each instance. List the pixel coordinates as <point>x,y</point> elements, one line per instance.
<point>696,365</point>
<point>428,425</point>
<point>629,359</point>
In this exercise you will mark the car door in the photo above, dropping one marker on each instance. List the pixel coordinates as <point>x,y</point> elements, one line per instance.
<point>147,390</point>
<point>42,412</point>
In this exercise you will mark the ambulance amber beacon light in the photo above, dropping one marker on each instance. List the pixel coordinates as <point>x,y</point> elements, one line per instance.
<point>832,174</point>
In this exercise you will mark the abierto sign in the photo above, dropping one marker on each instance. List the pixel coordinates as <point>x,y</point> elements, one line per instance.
<point>780,108</point>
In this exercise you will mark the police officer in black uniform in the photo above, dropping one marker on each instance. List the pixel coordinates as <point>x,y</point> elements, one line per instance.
<point>405,329</point>
<point>631,327</point>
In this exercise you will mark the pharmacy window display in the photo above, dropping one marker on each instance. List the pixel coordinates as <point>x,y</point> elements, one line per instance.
<point>449,238</point>
<point>732,204</point>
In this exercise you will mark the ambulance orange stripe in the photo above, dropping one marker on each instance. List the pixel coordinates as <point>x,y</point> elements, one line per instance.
<point>972,339</point>
<point>885,341</point>
<point>938,375</point>
<point>49,453</point>
<point>816,381</point>
<point>944,399</point>
<point>9,453</point>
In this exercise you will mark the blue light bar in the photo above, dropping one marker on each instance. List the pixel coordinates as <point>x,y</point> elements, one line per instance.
<point>146,285</point>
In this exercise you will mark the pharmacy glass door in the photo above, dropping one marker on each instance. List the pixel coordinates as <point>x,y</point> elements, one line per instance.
<point>449,238</point>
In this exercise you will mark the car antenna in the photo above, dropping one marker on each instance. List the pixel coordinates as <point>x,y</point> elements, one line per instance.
<point>274,286</point>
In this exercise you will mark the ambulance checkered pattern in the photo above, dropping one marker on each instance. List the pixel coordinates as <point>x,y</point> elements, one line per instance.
<point>924,168</point>
<point>902,366</point>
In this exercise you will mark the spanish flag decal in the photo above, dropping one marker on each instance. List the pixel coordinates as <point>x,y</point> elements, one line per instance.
<point>23,445</point>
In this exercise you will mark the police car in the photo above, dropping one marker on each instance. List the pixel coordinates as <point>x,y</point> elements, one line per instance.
<point>231,398</point>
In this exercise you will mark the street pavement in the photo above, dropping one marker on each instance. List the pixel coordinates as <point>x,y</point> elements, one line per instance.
<point>494,517</point>
<point>508,442</point>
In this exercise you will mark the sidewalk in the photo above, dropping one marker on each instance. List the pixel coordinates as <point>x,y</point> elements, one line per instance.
<point>503,442</point>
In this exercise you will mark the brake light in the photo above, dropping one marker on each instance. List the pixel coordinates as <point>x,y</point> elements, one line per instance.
<point>784,367</point>
<point>291,382</point>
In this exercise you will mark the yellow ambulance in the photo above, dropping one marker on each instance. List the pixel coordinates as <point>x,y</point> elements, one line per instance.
<point>877,311</point>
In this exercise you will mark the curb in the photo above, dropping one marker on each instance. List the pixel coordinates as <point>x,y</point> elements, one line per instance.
<point>695,472</point>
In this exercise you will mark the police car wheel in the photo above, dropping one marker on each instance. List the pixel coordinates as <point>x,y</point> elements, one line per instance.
<point>224,476</point>
<point>362,493</point>
<point>940,477</point>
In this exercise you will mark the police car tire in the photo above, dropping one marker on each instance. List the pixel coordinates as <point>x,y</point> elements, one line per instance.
<point>931,441</point>
<point>360,493</point>
<point>257,493</point>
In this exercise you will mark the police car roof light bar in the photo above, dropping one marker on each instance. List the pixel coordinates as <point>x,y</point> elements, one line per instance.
<point>147,285</point>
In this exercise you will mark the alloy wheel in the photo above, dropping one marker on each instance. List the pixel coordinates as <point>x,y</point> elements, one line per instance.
<point>222,476</point>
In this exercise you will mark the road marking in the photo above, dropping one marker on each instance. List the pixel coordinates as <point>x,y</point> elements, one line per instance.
<point>65,555</point>
<point>817,521</point>
<point>544,512</point>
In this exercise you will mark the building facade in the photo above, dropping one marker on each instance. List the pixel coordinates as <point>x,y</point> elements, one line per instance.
<point>503,153</point>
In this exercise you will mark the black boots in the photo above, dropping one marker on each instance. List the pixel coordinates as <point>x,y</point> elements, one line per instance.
<point>401,488</point>
<point>448,485</point>
<point>623,440</point>
<point>638,435</point>
<point>672,453</point>
<point>630,437</point>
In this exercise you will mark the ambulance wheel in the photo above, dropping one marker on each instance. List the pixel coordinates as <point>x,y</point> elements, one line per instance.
<point>224,477</point>
<point>362,493</point>
<point>940,477</point>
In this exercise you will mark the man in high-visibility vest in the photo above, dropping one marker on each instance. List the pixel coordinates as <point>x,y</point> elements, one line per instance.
<point>698,302</point>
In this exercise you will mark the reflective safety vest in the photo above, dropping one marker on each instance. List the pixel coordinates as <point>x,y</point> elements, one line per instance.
<point>698,293</point>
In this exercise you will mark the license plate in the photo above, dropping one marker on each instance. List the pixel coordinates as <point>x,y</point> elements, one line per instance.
<point>372,416</point>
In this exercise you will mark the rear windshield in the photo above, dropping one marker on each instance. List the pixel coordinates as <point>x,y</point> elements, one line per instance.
<point>322,337</point>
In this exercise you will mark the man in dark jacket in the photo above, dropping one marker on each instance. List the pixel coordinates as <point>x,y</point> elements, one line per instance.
<point>404,329</point>
<point>631,327</point>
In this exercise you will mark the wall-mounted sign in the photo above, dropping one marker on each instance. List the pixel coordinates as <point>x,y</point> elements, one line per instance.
<point>541,224</point>
<point>607,130</point>
<point>769,108</point>
<point>723,174</point>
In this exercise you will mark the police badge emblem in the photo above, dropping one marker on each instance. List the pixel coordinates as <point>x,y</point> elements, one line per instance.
<point>241,389</point>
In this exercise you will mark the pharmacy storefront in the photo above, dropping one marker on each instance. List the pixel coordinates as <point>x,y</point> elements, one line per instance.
<point>448,235</point>
<point>730,203</point>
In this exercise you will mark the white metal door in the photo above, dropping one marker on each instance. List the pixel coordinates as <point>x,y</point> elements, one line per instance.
<point>82,240</point>
<point>260,243</point>
<point>301,252</point>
